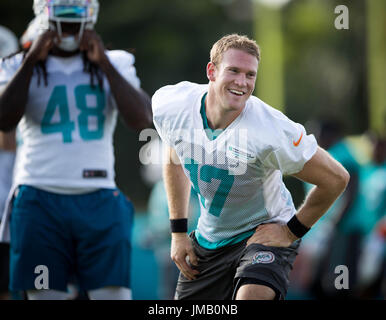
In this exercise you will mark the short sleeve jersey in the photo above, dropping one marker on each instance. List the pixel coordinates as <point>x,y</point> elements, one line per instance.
<point>67,130</point>
<point>238,175</point>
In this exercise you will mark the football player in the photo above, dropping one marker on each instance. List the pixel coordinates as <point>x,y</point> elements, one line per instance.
<point>234,149</point>
<point>67,216</point>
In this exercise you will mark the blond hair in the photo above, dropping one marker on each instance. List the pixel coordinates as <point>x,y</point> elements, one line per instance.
<point>233,41</point>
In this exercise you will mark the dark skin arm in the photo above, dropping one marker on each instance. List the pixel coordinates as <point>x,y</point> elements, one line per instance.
<point>14,97</point>
<point>134,105</point>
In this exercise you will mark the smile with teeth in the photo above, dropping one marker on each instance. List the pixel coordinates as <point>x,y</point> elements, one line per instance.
<point>236,92</point>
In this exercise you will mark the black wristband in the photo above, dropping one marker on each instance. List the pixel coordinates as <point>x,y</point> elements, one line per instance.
<point>179,225</point>
<point>296,227</point>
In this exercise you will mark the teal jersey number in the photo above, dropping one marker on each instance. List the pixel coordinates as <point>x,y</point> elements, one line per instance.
<point>81,93</point>
<point>207,174</point>
<point>192,167</point>
<point>59,100</point>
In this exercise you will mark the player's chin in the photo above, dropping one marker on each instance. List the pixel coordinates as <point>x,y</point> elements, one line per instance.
<point>238,103</point>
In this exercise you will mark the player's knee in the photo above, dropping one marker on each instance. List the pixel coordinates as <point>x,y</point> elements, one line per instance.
<point>255,292</point>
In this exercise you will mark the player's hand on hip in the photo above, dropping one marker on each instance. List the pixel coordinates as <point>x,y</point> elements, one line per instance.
<point>41,46</point>
<point>272,234</point>
<point>182,248</point>
<point>92,43</point>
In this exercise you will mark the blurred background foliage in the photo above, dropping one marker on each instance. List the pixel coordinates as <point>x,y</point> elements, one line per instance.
<point>324,68</point>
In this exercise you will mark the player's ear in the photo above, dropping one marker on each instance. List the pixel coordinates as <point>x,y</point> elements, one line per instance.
<point>211,71</point>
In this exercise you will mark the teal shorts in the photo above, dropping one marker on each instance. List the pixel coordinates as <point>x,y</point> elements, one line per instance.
<point>83,237</point>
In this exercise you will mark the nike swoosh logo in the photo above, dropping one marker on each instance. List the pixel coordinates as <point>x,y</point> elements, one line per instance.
<point>296,143</point>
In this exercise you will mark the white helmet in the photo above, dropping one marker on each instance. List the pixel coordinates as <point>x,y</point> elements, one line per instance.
<point>53,12</point>
<point>77,11</point>
<point>8,42</point>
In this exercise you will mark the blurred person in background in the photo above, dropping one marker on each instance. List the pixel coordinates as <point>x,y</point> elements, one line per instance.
<point>64,92</point>
<point>8,46</point>
<point>329,243</point>
<point>157,235</point>
<point>345,233</point>
<point>370,223</point>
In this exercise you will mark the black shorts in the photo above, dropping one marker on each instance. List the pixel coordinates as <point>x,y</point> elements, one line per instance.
<point>223,270</point>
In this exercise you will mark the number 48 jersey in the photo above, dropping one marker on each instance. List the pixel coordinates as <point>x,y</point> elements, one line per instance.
<point>237,173</point>
<point>67,130</point>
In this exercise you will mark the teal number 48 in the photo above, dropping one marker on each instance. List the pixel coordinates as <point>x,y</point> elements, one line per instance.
<point>59,101</point>
<point>207,174</point>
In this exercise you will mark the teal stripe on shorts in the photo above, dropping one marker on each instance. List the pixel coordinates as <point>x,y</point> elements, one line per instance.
<point>214,245</point>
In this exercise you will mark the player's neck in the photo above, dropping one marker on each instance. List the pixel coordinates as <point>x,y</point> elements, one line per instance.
<point>218,116</point>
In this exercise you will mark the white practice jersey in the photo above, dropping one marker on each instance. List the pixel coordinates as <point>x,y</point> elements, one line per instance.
<point>238,175</point>
<point>68,125</point>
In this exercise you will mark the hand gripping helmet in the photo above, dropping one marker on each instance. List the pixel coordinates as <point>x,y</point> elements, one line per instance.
<point>53,12</point>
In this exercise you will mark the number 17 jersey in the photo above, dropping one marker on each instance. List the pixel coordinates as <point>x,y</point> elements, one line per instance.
<point>237,172</point>
<point>67,130</point>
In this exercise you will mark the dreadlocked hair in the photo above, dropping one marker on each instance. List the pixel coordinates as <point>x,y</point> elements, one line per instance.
<point>40,66</point>
<point>93,70</point>
<point>88,66</point>
<point>42,70</point>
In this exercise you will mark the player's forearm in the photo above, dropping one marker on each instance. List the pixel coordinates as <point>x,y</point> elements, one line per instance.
<point>330,179</point>
<point>178,191</point>
<point>134,105</point>
<point>348,198</point>
<point>319,200</point>
<point>13,98</point>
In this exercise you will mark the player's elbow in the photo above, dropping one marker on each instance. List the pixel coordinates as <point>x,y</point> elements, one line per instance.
<point>9,118</point>
<point>141,124</point>
<point>140,121</point>
<point>341,180</point>
<point>146,121</point>
<point>8,122</point>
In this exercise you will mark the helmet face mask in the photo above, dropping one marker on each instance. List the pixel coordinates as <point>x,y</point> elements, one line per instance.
<point>56,12</point>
